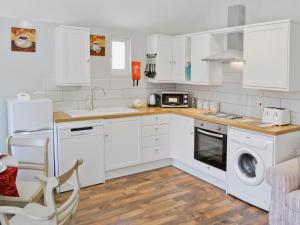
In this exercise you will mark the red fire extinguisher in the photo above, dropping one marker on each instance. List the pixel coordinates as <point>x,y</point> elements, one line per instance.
<point>136,72</point>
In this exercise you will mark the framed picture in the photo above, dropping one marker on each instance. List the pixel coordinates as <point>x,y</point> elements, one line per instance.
<point>97,45</point>
<point>23,39</point>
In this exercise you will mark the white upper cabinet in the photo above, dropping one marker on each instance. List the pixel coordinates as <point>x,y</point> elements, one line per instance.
<point>164,59</point>
<point>271,54</point>
<point>202,46</point>
<point>72,56</point>
<point>171,57</point>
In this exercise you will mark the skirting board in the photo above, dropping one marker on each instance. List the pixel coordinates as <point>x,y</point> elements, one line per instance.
<point>137,169</point>
<point>209,179</point>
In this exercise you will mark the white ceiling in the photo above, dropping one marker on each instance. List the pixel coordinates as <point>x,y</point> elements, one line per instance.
<point>168,16</point>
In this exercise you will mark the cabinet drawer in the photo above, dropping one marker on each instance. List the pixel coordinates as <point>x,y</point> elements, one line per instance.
<point>157,140</point>
<point>152,130</point>
<point>155,119</point>
<point>155,153</point>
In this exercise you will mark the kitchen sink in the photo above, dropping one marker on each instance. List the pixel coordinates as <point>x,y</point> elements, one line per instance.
<point>100,111</point>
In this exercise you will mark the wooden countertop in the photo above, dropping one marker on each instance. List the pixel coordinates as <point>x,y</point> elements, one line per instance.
<point>252,125</point>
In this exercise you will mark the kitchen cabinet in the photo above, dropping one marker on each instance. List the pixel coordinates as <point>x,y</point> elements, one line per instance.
<point>122,142</point>
<point>202,46</point>
<point>155,137</point>
<point>182,139</point>
<point>72,56</point>
<point>172,56</point>
<point>271,54</point>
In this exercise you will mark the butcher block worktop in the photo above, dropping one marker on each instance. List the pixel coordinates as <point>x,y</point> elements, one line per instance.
<point>252,125</point>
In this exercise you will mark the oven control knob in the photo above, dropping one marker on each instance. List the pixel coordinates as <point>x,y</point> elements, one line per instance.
<point>185,101</point>
<point>219,128</point>
<point>185,96</point>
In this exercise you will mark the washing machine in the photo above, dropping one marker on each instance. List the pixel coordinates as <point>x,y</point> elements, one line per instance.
<point>248,156</point>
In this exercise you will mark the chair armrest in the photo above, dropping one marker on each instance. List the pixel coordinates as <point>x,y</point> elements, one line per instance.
<point>42,178</point>
<point>22,211</point>
<point>285,177</point>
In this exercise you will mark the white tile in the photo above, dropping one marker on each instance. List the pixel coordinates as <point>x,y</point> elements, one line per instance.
<point>103,83</point>
<point>80,95</point>
<point>137,93</point>
<point>65,105</point>
<point>54,95</point>
<point>291,104</point>
<point>120,83</point>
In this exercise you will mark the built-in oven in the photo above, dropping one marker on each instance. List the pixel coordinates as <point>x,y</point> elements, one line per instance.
<point>211,144</point>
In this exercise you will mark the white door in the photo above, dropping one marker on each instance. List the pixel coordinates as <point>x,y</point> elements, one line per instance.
<point>75,56</point>
<point>182,138</point>
<point>122,143</point>
<point>179,59</point>
<point>200,50</point>
<point>164,58</point>
<point>266,56</point>
<point>86,143</point>
<point>249,167</point>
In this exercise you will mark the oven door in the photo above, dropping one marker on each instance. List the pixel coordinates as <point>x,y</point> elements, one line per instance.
<point>210,148</point>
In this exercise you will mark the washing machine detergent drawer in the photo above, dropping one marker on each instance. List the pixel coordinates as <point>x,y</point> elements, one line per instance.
<point>249,155</point>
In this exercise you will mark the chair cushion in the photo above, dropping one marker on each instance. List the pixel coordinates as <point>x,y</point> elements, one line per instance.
<point>293,200</point>
<point>32,209</point>
<point>26,191</point>
<point>8,182</point>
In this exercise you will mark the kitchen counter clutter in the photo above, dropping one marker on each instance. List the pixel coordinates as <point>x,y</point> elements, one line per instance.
<point>251,124</point>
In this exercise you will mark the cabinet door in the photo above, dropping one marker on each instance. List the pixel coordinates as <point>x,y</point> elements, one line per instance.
<point>164,58</point>
<point>179,59</point>
<point>199,50</point>
<point>266,55</point>
<point>73,56</point>
<point>182,139</point>
<point>122,143</point>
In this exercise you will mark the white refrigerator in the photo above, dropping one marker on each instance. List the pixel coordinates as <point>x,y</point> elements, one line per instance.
<point>31,119</point>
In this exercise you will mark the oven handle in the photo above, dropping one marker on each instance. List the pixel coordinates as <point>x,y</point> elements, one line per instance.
<point>210,134</point>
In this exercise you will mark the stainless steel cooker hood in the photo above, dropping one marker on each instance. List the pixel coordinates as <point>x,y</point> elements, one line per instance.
<point>234,51</point>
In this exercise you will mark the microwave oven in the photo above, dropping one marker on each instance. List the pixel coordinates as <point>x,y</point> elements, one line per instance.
<point>174,100</point>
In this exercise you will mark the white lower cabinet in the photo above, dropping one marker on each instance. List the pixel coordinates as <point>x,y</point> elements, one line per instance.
<point>182,139</point>
<point>122,142</point>
<point>155,137</point>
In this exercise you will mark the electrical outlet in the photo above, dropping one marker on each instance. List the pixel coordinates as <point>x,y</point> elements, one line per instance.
<point>260,103</point>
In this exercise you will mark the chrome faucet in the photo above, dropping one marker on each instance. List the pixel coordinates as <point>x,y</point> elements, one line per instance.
<point>93,96</point>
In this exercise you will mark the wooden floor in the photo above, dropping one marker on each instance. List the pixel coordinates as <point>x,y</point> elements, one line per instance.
<point>165,196</point>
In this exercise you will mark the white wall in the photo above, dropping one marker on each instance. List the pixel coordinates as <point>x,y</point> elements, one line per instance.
<point>30,72</point>
<point>214,13</point>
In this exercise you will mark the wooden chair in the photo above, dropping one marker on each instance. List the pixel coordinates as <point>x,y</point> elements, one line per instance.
<point>50,214</point>
<point>29,191</point>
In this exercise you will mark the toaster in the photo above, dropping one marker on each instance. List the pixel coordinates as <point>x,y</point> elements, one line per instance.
<point>276,116</point>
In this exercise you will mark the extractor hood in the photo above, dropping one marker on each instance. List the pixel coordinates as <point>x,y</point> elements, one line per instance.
<point>234,51</point>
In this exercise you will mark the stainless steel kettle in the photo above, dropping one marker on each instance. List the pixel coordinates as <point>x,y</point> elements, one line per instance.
<point>153,100</point>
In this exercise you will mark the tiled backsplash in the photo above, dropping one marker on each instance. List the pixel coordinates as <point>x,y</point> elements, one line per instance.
<point>119,92</point>
<point>236,99</point>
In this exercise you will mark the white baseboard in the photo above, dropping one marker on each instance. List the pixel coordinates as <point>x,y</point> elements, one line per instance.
<point>137,169</point>
<point>212,180</point>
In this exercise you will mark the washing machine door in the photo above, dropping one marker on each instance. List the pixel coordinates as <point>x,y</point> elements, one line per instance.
<point>249,167</point>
